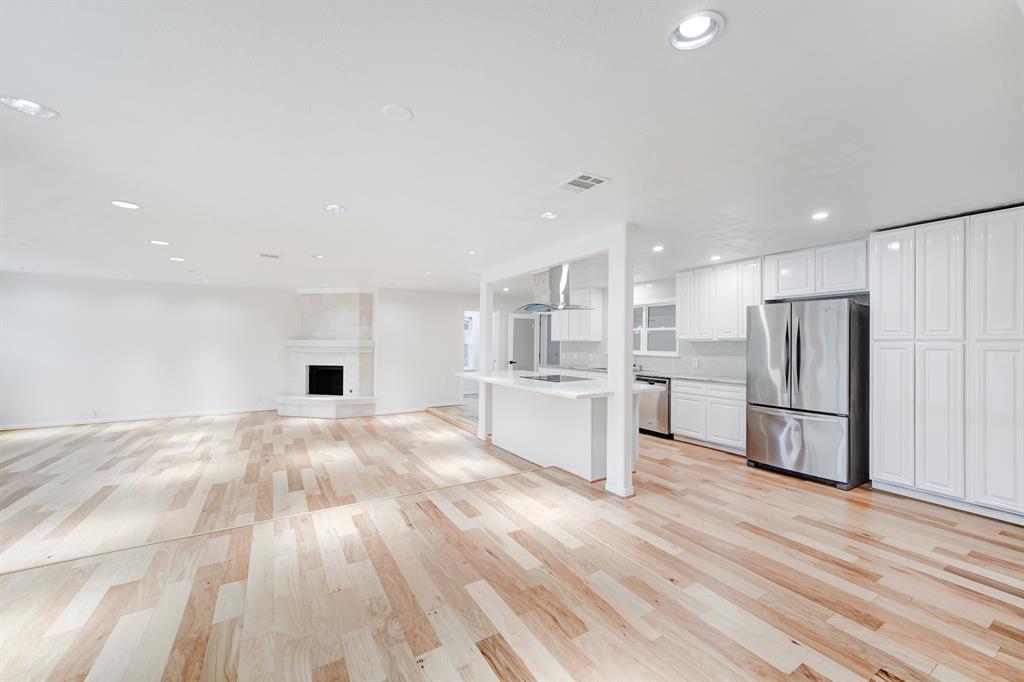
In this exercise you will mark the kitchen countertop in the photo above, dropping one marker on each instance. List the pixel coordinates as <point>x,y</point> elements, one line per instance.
<point>577,390</point>
<point>736,381</point>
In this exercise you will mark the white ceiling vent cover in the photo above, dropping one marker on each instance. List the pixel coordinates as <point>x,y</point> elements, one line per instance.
<point>581,182</point>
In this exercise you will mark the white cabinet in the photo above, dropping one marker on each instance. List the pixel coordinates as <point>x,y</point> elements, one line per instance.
<point>685,300</point>
<point>830,269</point>
<point>892,412</point>
<point>750,290</point>
<point>580,325</point>
<point>689,414</point>
<point>711,303</point>
<point>939,419</point>
<point>727,301</point>
<point>711,412</point>
<point>996,264</point>
<point>841,267</point>
<point>704,304</point>
<point>940,280</point>
<point>789,274</point>
<point>892,284</point>
<point>995,425</point>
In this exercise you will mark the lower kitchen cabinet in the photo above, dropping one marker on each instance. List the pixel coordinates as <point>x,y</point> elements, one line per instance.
<point>689,415</point>
<point>712,412</point>
<point>892,412</point>
<point>995,425</point>
<point>727,422</point>
<point>939,419</point>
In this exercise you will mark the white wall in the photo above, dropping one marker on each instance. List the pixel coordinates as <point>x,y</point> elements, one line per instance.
<point>77,349</point>
<point>419,347</point>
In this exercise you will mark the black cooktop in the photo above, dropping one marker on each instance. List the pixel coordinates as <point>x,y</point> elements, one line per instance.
<point>556,378</point>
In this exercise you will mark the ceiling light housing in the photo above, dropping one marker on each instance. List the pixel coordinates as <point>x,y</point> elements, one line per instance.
<point>176,259</point>
<point>396,113</point>
<point>334,208</point>
<point>657,248</point>
<point>697,30</point>
<point>317,256</point>
<point>159,242</point>
<point>130,205</point>
<point>715,258</point>
<point>549,215</point>
<point>504,289</point>
<point>29,108</point>
<point>470,252</point>
<point>820,215</point>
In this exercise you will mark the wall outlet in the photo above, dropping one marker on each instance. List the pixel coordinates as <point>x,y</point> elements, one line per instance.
<point>695,363</point>
<point>95,413</point>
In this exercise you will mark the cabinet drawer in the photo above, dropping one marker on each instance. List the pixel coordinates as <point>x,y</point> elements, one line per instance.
<point>728,391</point>
<point>689,387</point>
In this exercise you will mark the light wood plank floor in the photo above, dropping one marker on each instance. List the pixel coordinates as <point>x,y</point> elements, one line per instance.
<point>713,571</point>
<point>70,492</point>
<point>466,415</point>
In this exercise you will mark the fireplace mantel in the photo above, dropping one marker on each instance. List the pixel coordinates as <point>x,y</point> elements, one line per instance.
<point>329,346</point>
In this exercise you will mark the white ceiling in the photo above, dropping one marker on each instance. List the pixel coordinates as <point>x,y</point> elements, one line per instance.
<point>233,123</point>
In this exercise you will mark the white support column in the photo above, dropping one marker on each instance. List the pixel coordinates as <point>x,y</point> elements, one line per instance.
<point>483,428</point>
<point>621,436</point>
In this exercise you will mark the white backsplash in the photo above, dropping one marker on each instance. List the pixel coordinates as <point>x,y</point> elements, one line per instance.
<point>714,358</point>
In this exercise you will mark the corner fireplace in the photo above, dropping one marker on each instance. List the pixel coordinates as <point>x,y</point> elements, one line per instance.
<point>326,380</point>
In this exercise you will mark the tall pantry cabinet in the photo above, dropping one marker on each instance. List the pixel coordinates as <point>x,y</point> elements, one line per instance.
<point>947,360</point>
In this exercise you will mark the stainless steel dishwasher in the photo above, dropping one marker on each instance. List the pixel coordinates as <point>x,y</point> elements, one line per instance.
<point>654,406</point>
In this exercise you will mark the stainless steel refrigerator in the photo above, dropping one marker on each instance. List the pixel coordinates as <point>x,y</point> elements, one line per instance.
<point>807,389</point>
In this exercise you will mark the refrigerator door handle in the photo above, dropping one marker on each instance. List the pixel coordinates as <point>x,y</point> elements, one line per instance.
<point>785,371</point>
<point>796,360</point>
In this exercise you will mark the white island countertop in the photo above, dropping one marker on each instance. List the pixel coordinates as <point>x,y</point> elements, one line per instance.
<point>596,387</point>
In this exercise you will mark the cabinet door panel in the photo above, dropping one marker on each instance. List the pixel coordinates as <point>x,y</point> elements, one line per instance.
<point>939,423</point>
<point>940,280</point>
<point>750,290</point>
<point>841,267</point>
<point>689,415</point>
<point>995,463</point>
<point>789,274</point>
<point>704,326</point>
<point>892,284</point>
<point>996,288</point>
<point>727,301</point>
<point>727,422</point>
<point>892,412</point>
<point>685,298</point>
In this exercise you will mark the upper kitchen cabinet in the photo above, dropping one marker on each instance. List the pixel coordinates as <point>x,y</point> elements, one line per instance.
<point>841,267</point>
<point>939,285</point>
<point>711,302</point>
<point>789,274</point>
<point>996,291</point>
<point>580,325</point>
<point>892,284</point>
<point>831,269</point>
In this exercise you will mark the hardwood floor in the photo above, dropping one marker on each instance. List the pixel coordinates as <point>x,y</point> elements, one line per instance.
<point>466,416</point>
<point>713,571</point>
<point>71,492</point>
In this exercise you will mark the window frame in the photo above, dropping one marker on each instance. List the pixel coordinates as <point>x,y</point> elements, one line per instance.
<point>643,329</point>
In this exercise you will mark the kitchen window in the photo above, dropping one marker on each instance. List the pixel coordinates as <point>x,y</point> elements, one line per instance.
<point>654,329</point>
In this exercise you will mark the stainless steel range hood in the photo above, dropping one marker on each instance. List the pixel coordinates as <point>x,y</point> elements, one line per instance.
<point>554,288</point>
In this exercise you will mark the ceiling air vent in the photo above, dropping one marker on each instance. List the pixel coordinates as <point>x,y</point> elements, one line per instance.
<point>582,182</point>
<point>272,256</point>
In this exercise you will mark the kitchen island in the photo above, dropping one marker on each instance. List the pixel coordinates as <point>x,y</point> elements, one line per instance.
<point>560,422</point>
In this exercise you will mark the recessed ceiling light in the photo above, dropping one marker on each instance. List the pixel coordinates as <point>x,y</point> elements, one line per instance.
<point>697,30</point>
<point>820,215</point>
<point>318,256</point>
<point>505,289</point>
<point>893,246</point>
<point>176,259</point>
<point>130,205</point>
<point>548,215</point>
<point>396,113</point>
<point>649,285</point>
<point>428,273</point>
<point>159,242</point>
<point>27,106</point>
<point>657,248</point>
<point>716,258</point>
<point>206,281</point>
<point>334,208</point>
<point>470,252</point>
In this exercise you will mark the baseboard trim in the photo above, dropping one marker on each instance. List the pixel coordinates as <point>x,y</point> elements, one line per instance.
<point>136,418</point>
<point>961,505</point>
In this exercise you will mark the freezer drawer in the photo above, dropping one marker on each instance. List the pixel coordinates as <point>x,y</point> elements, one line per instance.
<point>810,444</point>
